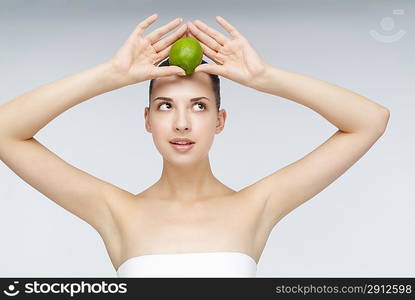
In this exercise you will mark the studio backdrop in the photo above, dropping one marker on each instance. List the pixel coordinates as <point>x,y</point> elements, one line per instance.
<point>360,225</point>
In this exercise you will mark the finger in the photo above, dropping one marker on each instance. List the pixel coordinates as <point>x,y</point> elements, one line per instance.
<point>143,25</point>
<point>208,52</point>
<point>203,37</point>
<point>225,24</point>
<point>167,71</point>
<point>154,36</point>
<point>167,41</point>
<point>211,54</point>
<point>188,31</point>
<point>189,34</point>
<point>211,69</point>
<point>216,35</point>
<point>162,55</point>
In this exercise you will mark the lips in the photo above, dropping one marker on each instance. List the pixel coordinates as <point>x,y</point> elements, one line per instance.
<point>181,141</point>
<point>182,148</point>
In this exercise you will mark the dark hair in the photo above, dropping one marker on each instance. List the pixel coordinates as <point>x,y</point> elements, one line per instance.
<point>214,78</point>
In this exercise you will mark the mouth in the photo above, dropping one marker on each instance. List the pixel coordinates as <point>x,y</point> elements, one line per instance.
<point>182,143</point>
<point>182,147</point>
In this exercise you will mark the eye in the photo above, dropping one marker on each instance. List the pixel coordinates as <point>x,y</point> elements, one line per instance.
<point>197,104</point>
<point>202,104</point>
<point>163,104</point>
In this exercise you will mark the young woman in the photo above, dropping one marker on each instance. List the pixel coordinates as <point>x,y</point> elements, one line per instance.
<point>188,223</point>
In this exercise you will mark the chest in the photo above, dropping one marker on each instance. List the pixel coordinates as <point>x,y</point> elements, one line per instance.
<point>219,224</point>
<point>150,226</point>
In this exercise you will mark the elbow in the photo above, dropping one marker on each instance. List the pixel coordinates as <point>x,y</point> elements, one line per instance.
<point>384,119</point>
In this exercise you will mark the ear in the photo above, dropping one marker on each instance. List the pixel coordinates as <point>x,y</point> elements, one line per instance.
<point>220,122</point>
<point>147,119</point>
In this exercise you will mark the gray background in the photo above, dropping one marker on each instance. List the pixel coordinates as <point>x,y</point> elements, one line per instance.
<point>361,225</point>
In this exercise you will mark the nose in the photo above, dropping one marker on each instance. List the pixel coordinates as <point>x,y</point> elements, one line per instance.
<point>182,123</point>
<point>182,129</point>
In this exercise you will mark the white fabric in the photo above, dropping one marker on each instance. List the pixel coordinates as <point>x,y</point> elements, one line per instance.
<point>204,264</point>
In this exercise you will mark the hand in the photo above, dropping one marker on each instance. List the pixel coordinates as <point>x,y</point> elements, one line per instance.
<point>235,58</point>
<point>138,58</point>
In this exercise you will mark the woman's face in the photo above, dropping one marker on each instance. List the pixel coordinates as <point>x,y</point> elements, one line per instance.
<point>178,111</point>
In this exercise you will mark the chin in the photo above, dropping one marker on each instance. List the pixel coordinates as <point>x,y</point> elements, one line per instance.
<point>181,161</point>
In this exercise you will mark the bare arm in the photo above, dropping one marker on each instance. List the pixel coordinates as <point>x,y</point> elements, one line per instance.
<point>86,196</point>
<point>360,124</point>
<point>22,117</point>
<point>348,111</point>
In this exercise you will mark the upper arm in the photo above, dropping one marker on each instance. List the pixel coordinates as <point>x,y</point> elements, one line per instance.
<point>294,184</point>
<point>73,189</point>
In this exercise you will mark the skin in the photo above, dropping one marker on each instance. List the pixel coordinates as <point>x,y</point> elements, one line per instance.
<point>187,176</point>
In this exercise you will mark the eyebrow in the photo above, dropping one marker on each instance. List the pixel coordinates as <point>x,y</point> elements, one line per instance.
<point>171,100</point>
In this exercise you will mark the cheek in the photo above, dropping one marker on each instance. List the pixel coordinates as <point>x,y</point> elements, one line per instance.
<point>160,123</point>
<point>159,128</point>
<point>161,132</point>
<point>203,130</point>
<point>204,124</point>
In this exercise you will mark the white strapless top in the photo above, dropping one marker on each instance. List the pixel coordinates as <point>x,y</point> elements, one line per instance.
<point>203,264</point>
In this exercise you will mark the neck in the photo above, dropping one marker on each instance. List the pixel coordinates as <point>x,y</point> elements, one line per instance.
<point>186,182</point>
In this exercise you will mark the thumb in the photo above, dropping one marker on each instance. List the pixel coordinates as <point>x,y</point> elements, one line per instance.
<point>210,68</point>
<point>168,71</point>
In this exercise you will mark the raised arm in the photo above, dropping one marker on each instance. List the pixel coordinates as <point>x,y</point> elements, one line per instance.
<point>360,122</point>
<point>22,117</point>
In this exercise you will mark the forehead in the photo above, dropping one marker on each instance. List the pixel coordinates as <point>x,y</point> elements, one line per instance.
<point>197,83</point>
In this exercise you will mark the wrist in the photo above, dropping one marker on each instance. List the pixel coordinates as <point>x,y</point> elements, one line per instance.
<point>114,78</point>
<point>267,81</point>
